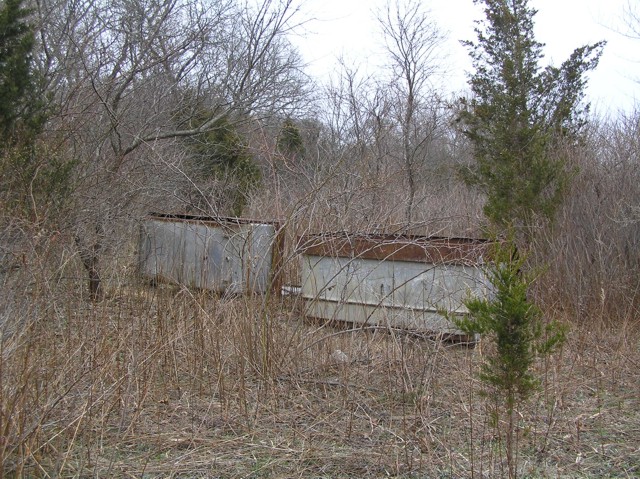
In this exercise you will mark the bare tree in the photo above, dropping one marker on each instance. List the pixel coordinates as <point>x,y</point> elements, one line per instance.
<point>412,41</point>
<point>361,134</point>
<point>631,19</point>
<point>130,78</point>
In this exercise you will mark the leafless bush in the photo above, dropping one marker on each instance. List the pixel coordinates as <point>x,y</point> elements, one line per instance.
<point>591,252</point>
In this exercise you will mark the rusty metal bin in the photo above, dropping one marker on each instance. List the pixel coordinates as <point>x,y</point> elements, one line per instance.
<point>225,255</point>
<point>396,281</point>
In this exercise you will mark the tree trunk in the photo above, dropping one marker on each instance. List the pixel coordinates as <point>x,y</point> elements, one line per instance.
<point>412,195</point>
<point>90,257</point>
<point>96,292</point>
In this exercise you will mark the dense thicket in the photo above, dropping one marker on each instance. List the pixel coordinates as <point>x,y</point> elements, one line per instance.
<point>129,81</point>
<point>125,85</point>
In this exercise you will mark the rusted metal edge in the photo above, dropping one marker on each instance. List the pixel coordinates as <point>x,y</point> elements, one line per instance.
<point>276,276</point>
<point>423,249</point>
<point>217,220</point>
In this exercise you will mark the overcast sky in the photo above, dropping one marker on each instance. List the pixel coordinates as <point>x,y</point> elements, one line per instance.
<point>347,28</point>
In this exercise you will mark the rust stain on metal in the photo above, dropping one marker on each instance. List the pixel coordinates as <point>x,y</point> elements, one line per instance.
<point>422,249</point>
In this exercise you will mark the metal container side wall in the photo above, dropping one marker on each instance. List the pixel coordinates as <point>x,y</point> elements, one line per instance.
<point>262,241</point>
<point>400,318</point>
<point>400,293</point>
<point>234,258</point>
<point>162,251</point>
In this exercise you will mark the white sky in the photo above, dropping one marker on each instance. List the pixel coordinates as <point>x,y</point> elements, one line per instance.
<point>347,28</point>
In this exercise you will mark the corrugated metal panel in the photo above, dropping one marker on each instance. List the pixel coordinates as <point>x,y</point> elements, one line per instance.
<point>224,255</point>
<point>403,282</point>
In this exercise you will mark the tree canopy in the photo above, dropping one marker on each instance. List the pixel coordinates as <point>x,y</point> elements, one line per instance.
<point>221,153</point>
<point>519,112</point>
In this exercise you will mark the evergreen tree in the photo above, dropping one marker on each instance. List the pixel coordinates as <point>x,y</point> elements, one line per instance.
<point>513,324</point>
<point>518,113</point>
<point>32,176</point>
<point>16,78</point>
<point>290,143</point>
<point>221,154</point>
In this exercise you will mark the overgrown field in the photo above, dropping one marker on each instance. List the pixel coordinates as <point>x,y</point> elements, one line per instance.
<point>168,382</point>
<point>110,110</point>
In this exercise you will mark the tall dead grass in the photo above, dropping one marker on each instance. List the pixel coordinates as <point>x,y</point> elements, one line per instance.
<point>169,382</point>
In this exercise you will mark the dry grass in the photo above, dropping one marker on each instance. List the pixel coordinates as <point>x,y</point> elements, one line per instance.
<point>165,382</point>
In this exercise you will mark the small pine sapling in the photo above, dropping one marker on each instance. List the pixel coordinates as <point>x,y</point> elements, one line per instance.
<point>514,326</point>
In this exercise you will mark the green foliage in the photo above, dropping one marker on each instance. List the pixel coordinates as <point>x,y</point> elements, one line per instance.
<point>32,178</point>
<point>220,153</point>
<point>511,321</point>
<point>518,113</point>
<point>16,78</point>
<point>290,143</point>
<point>514,326</point>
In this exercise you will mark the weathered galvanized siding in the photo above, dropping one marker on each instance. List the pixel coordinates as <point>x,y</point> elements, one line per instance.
<point>226,255</point>
<point>403,282</point>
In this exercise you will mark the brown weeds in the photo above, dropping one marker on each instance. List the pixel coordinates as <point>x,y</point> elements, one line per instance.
<point>167,382</point>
